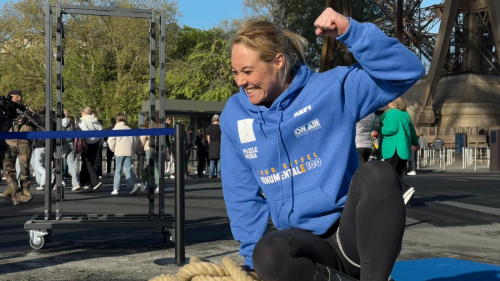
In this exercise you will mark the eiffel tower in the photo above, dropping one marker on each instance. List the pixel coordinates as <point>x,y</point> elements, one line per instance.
<point>461,89</point>
<point>461,92</point>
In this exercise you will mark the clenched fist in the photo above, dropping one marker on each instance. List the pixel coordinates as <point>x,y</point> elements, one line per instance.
<point>331,24</point>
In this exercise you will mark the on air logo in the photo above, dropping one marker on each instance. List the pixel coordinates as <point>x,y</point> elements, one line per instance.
<point>307,128</point>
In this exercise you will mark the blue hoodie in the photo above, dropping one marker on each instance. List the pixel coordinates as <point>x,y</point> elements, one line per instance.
<point>300,152</point>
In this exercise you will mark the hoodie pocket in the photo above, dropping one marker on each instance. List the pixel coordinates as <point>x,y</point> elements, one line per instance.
<point>301,209</point>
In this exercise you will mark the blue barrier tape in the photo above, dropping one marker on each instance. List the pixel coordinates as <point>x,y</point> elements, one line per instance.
<point>85,134</point>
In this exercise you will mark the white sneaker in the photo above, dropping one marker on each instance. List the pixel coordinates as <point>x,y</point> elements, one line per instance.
<point>172,176</point>
<point>114,192</point>
<point>408,195</point>
<point>41,188</point>
<point>75,188</point>
<point>136,189</point>
<point>86,187</point>
<point>412,173</point>
<point>157,190</point>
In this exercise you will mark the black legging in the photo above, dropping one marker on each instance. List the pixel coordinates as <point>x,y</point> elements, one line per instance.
<point>109,160</point>
<point>88,174</point>
<point>371,232</point>
<point>202,161</point>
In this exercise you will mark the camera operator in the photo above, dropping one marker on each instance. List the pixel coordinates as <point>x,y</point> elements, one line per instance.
<point>16,148</point>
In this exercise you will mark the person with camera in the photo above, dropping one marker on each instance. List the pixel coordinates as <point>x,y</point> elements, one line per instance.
<point>12,149</point>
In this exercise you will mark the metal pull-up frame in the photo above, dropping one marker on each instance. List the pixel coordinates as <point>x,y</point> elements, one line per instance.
<point>40,228</point>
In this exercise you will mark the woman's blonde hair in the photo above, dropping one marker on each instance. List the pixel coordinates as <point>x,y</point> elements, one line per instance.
<point>269,40</point>
<point>399,103</point>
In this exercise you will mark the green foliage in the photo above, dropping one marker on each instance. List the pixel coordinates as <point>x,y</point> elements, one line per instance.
<point>22,57</point>
<point>202,70</point>
<point>106,59</point>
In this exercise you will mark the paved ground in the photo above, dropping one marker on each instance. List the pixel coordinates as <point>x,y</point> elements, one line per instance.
<point>455,213</point>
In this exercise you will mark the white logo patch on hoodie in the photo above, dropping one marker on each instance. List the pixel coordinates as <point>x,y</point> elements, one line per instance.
<point>245,130</point>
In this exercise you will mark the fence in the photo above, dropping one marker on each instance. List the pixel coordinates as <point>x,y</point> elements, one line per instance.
<point>447,156</point>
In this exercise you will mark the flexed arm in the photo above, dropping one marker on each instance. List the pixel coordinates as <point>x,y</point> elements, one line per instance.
<point>331,24</point>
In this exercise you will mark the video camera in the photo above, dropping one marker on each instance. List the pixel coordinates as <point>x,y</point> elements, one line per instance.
<point>8,107</point>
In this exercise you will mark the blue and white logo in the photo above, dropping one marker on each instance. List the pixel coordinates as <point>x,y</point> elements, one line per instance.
<point>307,128</point>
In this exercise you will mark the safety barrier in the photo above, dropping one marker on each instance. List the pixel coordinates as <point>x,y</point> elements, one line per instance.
<point>473,155</point>
<point>427,157</point>
<point>447,157</point>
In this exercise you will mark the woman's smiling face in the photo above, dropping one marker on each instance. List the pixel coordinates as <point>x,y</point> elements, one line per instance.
<point>259,80</point>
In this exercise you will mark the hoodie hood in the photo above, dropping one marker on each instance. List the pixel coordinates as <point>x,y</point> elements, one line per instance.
<point>300,77</point>
<point>90,123</point>
<point>87,122</point>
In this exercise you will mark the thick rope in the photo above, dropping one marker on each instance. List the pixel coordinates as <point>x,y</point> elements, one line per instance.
<point>203,270</point>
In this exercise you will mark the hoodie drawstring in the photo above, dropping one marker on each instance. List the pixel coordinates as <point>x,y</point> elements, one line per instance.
<point>279,117</point>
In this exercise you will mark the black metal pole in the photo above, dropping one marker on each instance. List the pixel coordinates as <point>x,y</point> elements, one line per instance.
<point>48,103</point>
<point>180,213</point>
<point>153,145</point>
<point>162,154</point>
<point>59,113</point>
<point>399,20</point>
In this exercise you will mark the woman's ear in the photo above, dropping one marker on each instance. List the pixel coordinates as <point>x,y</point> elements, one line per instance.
<point>279,62</point>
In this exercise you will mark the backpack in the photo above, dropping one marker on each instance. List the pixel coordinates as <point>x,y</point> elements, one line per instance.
<point>79,146</point>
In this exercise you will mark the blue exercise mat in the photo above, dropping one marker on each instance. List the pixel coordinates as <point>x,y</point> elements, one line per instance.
<point>445,269</point>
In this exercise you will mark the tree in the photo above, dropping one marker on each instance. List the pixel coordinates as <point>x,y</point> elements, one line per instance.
<point>22,59</point>
<point>201,69</point>
<point>106,59</point>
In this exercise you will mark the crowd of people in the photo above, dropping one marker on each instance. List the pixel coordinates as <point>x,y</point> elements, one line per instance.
<point>85,167</point>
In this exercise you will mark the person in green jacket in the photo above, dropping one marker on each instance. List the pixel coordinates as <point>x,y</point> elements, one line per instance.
<point>397,135</point>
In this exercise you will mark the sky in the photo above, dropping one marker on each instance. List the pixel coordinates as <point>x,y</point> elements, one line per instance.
<point>204,14</point>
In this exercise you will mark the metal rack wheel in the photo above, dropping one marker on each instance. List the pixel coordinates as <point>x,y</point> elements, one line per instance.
<point>37,242</point>
<point>39,237</point>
